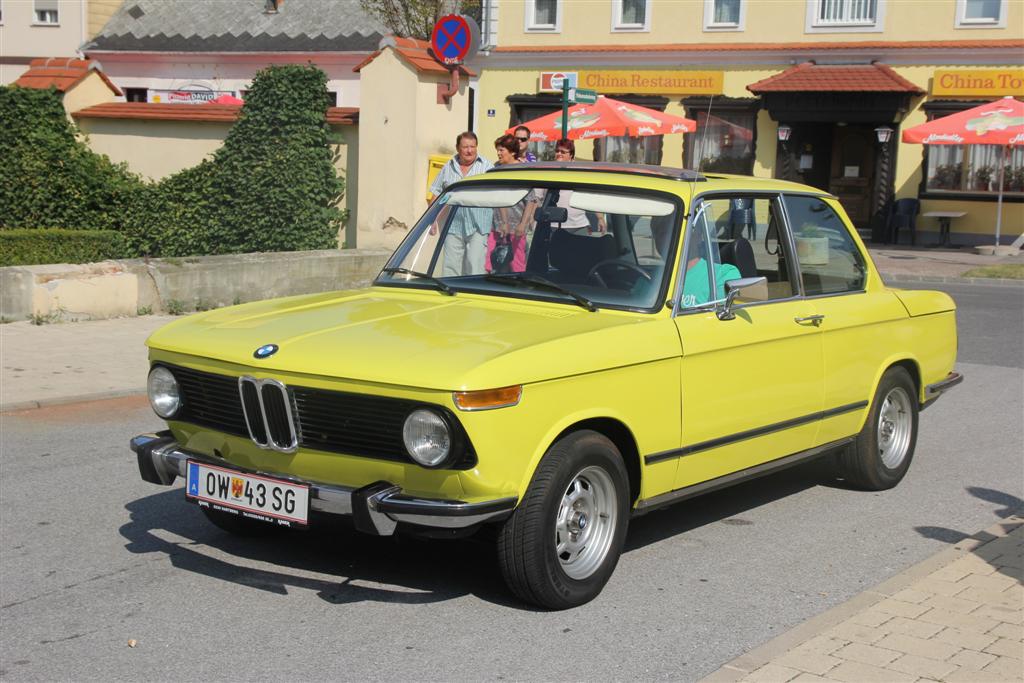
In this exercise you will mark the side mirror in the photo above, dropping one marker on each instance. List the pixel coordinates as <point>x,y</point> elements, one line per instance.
<point>551,214</point>
<point>754,285</point>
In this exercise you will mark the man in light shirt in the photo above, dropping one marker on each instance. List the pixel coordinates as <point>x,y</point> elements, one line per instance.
<point>465,245</point>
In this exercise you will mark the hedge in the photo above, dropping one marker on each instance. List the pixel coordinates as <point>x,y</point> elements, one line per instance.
<point>27,247</point>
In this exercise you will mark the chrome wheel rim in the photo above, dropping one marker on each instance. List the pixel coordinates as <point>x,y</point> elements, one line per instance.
<point>895,423</point>
<point>586,522</point>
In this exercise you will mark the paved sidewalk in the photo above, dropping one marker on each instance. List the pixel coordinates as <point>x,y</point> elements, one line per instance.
<point>909,264</point>
<point>957,616</point>
<point>69,362</point>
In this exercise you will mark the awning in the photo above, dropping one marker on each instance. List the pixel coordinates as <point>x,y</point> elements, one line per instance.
<point>811,77</point>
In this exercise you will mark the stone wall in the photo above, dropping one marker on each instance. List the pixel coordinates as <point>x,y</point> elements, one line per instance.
<point>127,287</point>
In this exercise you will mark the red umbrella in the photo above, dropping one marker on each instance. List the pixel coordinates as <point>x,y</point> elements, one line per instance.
<point>226,99</point>
<point>605,118</point>
<point>994,123</point>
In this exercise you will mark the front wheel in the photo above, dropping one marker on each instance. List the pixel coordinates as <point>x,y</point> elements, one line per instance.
<point>881,454</point>
<point>561,545</point>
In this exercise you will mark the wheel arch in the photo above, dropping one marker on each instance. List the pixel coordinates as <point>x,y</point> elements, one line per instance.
<point>620,435</point>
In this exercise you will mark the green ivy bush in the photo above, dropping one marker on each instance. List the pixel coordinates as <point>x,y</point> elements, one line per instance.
<point>50,176</point>
<point>27,247</point>
<point>272,186</point>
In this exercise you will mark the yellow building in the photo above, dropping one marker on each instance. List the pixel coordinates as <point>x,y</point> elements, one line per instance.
<point>832,77</point>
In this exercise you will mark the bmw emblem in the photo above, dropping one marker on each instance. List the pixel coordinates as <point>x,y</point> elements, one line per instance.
<point>265,351</point>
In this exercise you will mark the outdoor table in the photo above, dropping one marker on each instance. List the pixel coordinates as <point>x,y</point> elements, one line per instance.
<point>945,218</point>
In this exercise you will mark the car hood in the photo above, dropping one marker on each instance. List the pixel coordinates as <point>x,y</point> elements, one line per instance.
<point>421,338</point>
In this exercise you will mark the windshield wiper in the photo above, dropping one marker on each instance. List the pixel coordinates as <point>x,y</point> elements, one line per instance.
<point>423,276</point>
<point>542,282</point>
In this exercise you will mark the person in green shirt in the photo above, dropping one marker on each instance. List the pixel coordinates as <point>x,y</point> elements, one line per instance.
<point>696,285</point>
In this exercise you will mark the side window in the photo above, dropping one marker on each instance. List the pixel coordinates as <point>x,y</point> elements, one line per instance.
<point>730,238</point>
<point>830,262</point>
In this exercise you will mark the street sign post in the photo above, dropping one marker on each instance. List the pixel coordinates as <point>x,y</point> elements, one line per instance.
<point>575,95</point>
<point>581,96</point>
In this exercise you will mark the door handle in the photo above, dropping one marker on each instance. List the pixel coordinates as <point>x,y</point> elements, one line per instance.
<point>812,319</point>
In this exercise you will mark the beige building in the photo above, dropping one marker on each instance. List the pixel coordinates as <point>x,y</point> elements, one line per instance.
<point>830,76</point>
<point>31,29</point>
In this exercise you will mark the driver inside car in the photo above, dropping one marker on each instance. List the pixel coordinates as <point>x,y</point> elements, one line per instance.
<point>697,284</point>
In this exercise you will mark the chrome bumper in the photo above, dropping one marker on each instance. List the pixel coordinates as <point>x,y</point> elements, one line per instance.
<point>375,509</point>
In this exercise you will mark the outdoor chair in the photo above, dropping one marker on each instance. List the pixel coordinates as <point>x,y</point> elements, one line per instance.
<point>903,215</point>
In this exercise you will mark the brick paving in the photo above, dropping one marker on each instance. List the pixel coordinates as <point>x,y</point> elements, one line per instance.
<point>958,616</point>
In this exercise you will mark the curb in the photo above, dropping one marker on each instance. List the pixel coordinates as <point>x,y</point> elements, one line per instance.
<point>759,656</point>
<point>896,278</point>
<point>64,400</point>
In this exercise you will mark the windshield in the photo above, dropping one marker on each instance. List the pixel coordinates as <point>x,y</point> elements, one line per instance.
<point>587,245</point>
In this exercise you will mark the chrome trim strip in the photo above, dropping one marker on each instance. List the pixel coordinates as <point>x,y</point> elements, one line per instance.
<point>750,433</point>
<point>293,445</point>
<point>770,467</point>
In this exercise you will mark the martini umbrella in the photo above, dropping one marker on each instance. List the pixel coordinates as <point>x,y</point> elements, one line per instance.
<point>994,123</point>
<point>606,118</point>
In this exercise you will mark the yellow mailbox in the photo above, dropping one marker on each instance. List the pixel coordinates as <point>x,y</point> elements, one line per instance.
<point>435,164</point>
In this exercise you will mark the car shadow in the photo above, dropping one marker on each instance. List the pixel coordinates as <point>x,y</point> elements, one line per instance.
<point>397,569</point>
<point>400,569</point>
<point>725,505</point>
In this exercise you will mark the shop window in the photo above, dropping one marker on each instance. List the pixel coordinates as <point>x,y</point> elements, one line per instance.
<point>46,13</point>
<point>724,15</point>
<point>332,98</point>
<point>725,137</point>
<point>970,169</point>
<point>629,150</point>
<point>839,16</point>
<point>544,15</point>
<point>631,15</point>
<point>981,13</point>
<point>136,94</point>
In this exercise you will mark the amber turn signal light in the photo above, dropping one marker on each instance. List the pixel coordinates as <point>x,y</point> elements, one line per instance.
<point>488,398</point>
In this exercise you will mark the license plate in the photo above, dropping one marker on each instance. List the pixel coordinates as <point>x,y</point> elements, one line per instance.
<point>249,495</point>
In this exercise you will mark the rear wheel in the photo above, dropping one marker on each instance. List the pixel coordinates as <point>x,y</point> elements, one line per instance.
<point>881,454</point>
<point>561,545</point>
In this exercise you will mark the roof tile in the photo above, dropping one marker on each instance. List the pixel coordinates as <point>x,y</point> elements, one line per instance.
<point>416,53</point>
<point>192,112</point>
<point>61,73</point>
<point>809,76</point>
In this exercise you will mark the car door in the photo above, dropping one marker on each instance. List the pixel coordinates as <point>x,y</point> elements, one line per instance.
<point>857,341</point>
<point>751,386</point>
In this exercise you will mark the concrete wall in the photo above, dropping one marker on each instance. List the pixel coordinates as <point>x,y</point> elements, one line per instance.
<point>400,125</point>
<point>124,288</point>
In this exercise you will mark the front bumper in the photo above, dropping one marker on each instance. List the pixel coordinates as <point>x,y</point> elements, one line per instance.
<point>375,509</point>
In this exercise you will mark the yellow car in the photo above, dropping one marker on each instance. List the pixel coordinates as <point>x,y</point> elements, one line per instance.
<point>554,349</point>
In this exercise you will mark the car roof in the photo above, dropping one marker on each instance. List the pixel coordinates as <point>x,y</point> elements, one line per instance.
<point>684,182</point>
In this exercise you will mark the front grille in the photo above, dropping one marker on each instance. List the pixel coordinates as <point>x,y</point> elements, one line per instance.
<point>333,421</point>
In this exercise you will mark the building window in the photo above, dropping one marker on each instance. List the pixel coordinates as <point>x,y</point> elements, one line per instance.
<point>332,98</point>
<point>136,94</point>
<point>544,15</point>
<point>46,13</point>
<point>631,15</point>
<point>726,137</point>
<point>724,15</point>
<point>845,16</point>
<point>629,150</point>
<point>970,169</point>
<point>981,13</point>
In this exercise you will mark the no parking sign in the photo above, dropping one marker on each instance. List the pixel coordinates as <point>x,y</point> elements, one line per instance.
<point>455,37</point>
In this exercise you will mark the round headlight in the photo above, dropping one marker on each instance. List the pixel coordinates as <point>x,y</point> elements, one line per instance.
<point>164,395</point>
<point>427,437</point>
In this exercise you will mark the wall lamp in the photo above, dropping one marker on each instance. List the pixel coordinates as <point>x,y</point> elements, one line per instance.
<point>784,132</point>
<point>884,134</point>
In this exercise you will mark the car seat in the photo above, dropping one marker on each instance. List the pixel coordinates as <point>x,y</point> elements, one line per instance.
<point>574,255</point>
<point>740,254</point>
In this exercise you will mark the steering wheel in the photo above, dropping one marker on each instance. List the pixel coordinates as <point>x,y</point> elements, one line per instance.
<point>595,274</point>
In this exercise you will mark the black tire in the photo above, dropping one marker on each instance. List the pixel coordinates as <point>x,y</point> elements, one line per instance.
<point>880,456</point>
<point>237,525</point>
<point>592,466</point>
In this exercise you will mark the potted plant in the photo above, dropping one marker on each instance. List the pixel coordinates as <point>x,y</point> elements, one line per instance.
<point>983,178</point>
<point>811,245</point>
<point>947,177</point>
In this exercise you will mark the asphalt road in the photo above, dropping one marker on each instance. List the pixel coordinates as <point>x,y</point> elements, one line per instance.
<point>92,557</point>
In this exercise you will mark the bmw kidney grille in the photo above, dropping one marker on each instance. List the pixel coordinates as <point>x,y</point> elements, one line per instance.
<point>268,413</point>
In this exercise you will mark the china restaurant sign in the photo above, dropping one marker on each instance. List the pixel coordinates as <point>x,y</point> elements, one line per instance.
<point>654,82</point>
<point>979,82</point>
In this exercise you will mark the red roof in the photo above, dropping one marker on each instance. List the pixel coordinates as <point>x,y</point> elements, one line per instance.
<point>61,73</point>
<point>192,112</point>
<point>416,53</point>
<point>809,76</point>
<point>768,47</point>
